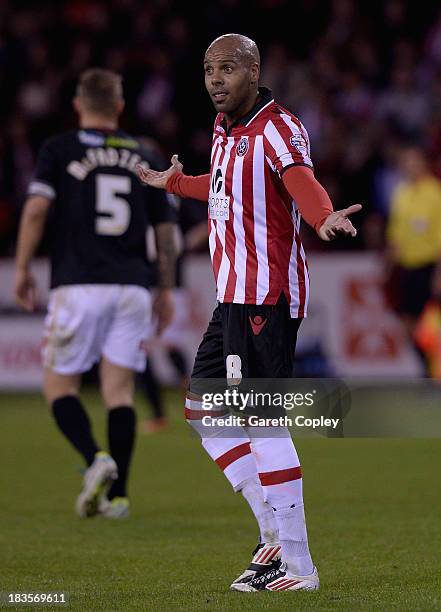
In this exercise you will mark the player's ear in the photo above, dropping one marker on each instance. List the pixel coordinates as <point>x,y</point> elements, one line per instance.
<point>120,106</point>
<point>254,73</point>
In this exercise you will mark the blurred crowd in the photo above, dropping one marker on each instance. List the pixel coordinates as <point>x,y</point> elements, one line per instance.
<point>365,79</point>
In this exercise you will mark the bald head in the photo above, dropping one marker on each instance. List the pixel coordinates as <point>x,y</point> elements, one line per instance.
<point>241,48</point>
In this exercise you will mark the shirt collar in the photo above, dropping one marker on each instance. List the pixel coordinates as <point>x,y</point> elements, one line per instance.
<point>264,98</point>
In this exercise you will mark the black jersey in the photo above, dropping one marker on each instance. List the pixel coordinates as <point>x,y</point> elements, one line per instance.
<point>100,209</point>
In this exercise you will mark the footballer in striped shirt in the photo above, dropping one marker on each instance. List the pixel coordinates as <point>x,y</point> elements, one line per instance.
<point>261,183</point>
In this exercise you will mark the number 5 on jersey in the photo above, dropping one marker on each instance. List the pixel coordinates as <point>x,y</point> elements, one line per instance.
<point>113,211</point>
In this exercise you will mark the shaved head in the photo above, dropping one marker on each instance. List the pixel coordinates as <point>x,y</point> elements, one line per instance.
<point>242,49</point>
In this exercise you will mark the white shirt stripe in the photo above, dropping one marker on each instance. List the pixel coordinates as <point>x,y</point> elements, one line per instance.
<point>278,144</point>
<point>212,239</point>
<point>216,145</point>
<point>240,255</point>
<point>260,227</point>
<point>303,256</point>
<point>292,274</point>
<point>225,265</point>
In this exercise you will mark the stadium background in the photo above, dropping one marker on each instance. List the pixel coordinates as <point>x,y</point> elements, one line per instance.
<point>365,78</point>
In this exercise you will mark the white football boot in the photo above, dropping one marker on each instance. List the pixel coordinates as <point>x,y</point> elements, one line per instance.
<point>279,579</point>
<point>97,480</point>
<point>117,508</point>
<point>265,557</point>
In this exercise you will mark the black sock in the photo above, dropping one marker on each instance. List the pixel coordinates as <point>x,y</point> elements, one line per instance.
<point>73,421</point>
<point>178,360</point>
<point>153,392</point>
<point>121,433</point>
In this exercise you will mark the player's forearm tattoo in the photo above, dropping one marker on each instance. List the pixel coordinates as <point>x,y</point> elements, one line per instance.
<point>167,254</point>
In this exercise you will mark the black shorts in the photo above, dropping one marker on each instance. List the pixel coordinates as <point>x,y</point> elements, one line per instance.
<point>264,337</point>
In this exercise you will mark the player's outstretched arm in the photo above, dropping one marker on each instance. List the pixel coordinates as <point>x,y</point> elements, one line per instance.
<point>30,232</point>
<point>315,206</point>
<point>174,181</point>
<point>157,179</point>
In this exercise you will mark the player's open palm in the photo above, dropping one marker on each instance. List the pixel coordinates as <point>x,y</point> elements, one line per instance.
<point>158,179</point>
<point>338,223</point>
<point>25,290</point>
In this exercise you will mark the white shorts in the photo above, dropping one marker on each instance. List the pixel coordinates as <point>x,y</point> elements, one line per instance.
<point>85,322</point>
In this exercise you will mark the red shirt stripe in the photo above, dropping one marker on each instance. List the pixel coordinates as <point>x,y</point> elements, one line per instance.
<point>230,237</point>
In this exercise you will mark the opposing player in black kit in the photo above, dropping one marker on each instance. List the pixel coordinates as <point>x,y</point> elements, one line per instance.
<point>100,307</point>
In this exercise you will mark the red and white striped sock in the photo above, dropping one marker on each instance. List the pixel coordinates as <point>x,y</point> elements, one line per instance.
<point>233,455</point>
<point>229,447</point>
<point>281,478</point>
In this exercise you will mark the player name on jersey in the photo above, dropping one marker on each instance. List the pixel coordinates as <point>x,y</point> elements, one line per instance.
<point>109,157</point>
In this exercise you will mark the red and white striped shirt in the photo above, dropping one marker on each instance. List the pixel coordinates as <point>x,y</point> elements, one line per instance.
<point>254,207</point>
<point>253,221</point>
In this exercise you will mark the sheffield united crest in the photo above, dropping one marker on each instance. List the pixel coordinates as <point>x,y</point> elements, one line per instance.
<point>242,147</point>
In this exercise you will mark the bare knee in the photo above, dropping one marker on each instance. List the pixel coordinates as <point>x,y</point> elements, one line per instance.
<point>116,395</point>
<point>59,385</point>
<point>117,385</point>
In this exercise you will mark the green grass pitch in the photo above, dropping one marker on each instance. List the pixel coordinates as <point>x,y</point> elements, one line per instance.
<point>373,509</point>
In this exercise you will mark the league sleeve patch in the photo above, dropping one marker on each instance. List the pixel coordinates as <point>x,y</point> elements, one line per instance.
<point>298,142</point>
